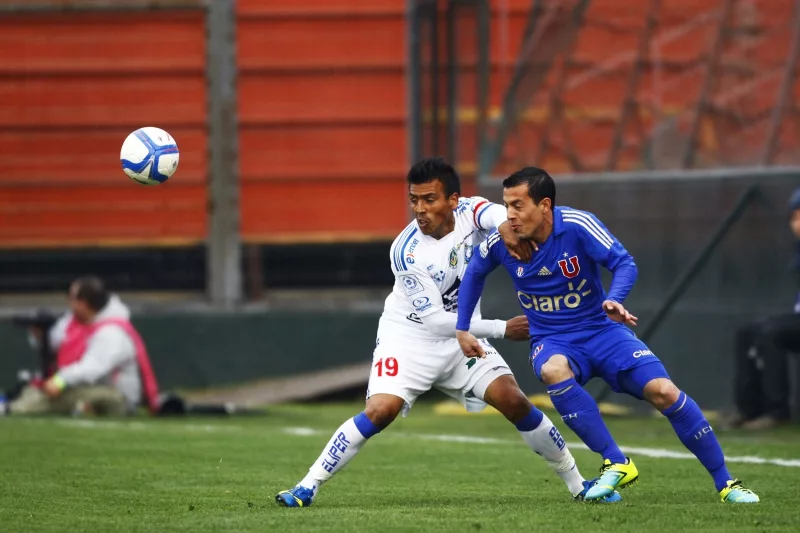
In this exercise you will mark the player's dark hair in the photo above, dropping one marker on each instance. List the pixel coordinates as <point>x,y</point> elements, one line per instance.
<point>93,291</point>
<point>435,168</point>
<point>540,183</point>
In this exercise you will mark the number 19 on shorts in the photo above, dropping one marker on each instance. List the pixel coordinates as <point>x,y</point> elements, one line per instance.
<point>387,366</point>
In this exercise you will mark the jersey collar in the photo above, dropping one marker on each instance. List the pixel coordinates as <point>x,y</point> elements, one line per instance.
<point>558,222</point>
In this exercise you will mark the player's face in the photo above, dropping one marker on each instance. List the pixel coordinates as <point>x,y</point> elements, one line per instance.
<point>80,309</point>
<point>794,223</point>
<point>524,215</point>
<point>432,208</point>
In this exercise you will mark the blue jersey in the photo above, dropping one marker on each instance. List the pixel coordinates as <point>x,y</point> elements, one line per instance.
<point>560,289</point>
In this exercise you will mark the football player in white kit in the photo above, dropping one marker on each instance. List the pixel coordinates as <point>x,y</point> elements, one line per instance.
<point>416,345</point>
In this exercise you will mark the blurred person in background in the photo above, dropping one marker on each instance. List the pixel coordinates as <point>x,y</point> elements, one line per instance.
<point>762,353</point>
<point>101,364</point>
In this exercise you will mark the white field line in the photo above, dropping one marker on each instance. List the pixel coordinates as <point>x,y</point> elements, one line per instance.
<point>135,426</point>
<point>658,453</point>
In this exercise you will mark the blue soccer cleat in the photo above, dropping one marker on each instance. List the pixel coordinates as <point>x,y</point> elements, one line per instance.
<point>296,497</point>
<point>736,493</point>
<point>581,496</point>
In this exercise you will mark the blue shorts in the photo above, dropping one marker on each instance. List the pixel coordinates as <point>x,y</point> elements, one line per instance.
<point>609,351</point>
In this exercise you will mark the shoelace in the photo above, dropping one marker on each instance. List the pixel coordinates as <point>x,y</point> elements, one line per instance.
<point>738,485</point>
<point>302,492</point>
<point>606,467</point>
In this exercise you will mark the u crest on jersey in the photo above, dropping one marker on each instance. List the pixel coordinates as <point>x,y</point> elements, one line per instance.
<point>571,269</point>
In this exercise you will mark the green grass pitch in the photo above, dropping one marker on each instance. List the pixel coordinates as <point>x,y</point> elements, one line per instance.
<point>215,474</point>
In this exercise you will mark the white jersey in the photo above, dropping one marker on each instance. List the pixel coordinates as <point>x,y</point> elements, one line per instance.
<point>428,271</point>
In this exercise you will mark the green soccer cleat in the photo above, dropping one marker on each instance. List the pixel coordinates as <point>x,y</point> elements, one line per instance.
<point>612,477</point>
<point>736,493</point>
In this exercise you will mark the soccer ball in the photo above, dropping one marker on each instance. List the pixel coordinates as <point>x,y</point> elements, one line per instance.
<point>149,156</point>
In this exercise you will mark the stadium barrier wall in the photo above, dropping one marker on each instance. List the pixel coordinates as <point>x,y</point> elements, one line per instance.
<point>199,350</point>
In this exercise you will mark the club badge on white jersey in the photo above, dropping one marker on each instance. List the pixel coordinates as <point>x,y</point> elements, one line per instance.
<point>428,271</point>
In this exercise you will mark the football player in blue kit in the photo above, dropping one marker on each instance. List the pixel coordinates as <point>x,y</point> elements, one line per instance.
<point>578,331</point>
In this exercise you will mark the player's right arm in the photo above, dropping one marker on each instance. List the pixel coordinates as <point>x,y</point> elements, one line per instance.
<point>487,258</point>
<point>423,295</point>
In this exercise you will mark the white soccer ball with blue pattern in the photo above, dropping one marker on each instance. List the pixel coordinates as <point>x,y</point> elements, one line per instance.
<point>149,156</point>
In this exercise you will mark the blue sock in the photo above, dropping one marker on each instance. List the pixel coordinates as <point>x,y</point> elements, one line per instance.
<point>579,411</point>
<point>365,425</point>
<point>696,434</point>
<point>531,421</point>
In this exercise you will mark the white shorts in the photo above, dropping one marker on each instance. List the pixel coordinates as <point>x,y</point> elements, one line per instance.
<point>409,368</point>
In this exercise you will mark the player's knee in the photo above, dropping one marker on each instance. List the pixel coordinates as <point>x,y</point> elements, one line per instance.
<point>516,407</point>
<point>555,370</point>
<point>661,393</point>
<point>382,409</point>
<point>505,395</point>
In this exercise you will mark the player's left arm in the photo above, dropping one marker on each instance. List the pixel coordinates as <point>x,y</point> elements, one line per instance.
<point>488,216</point>
<point>601,245</point>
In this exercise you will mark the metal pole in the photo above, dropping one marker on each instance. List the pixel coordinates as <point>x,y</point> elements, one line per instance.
<point>780,109</point>
<point>630,104</point>
<point>413,83</point>
<point>708,83</point>
<point>435,87</point>
<point>515,99</point>
<point>490,153</point>
<point>223,271</point>
<point>482,74</point>
<point>555,111</point>
<point>452,82</point>
<point>680,286</point>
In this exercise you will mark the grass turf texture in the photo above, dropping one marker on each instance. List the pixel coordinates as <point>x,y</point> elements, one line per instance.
<point>222,474</point>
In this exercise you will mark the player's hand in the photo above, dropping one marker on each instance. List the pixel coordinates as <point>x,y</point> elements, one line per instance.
<point>520,249</point>
<point>517,329</point>
<point>469,345</point>
<point>53,388</point>
<point>618,313</point>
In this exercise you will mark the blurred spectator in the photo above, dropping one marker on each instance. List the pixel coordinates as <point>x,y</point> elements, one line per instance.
<point>762,352</point>
<point>101,364</point>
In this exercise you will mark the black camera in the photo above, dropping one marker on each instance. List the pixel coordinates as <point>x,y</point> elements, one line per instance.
<point>41,318</point>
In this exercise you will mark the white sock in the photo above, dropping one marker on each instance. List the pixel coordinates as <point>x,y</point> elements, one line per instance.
<point>343,446</point>
<point>546,441</point>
